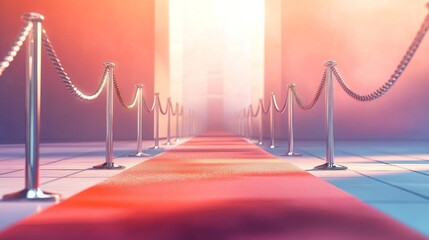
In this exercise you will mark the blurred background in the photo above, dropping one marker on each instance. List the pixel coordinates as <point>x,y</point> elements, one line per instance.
<point>219,56</point>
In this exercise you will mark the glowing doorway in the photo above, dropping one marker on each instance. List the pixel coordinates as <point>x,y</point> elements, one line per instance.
<point>217,56</point>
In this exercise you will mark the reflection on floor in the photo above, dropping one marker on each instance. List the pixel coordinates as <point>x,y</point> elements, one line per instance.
<point>391,176</point>
<point>65,168</point>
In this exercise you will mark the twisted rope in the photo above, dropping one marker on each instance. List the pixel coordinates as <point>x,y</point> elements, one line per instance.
<point>264,110</point>
<point>276,106</point>
<point>65,77</point>
<point>149,110</point>
<point>255,114</point>
<point>396,74</point>
<point>121,99</point>
<point>160,107</point>
<point>172,109</point>
<point>16,46</point>
<point>316,96</point>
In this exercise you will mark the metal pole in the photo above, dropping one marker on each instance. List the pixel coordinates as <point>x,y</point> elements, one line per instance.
<point>194,124</point>
<point>191,123</point>
<point>168,121</point>
<point>183,130</point>
<point>156,146</point>
<point>177,122</point>
<point>330,165</point>
<point>240,126</point>
<point>188,124</point>
<point>139,152</point>
<point>260,142</point>
<point>272,122</point>
<point>109,164</point>
<point>32,141</point>
<point>249,124</point>
<point>290,122</point>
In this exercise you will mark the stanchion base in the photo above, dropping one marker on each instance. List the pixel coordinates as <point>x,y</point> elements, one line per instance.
<point>139,154</point>
<point>177,140</point>
<point>155,147</point>
<point>272,146</point>
<point>108,165</point>
<point>291,154</point>
<point>168,143</point>
<point>34,194</point>
<point>332,166</point>
<point>260,143</point>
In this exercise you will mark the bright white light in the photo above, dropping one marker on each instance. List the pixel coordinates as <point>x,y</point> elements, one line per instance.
<point>222,40</point>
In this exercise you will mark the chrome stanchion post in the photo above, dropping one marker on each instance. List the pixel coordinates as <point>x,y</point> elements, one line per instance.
<point>235,123</point>
<point>32,140</point>
<point>139,152</point>
<point>194,123</point>
<point>242,128</point>
<point>260,142</point>
<point>188,123</point>
<point>238,124</point>
<point>109,164</point>
<point>177,123</point>
<point>168,121</point>
<point>290,122</point>
<point>330,165</point>
<point>249,124</point>
<point>183,129</point>
<point>156,146</point>
<point>272,122</point>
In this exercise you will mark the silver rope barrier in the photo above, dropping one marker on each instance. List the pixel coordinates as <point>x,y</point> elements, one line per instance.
<point>276,105</point>
<point>109,164</point>
<point>245,126</point>
<point>253,114</point>
<point>271,109</point>
<point>177,123</point>
<point>139,152</point>
<point>16,46</point>
<point>281,110</point>
<point>157,110</point>
<point>242,122</point>
<point>32,190</point>
<point>249,123</point>
<point>290,119</point>
<point>315,98</point>
<point>191,123</point>
<point>151,109</point>
<point>37,36</point>
<point>65,77</point>
<point>396,74</point>
<point>169,108</point>
<point>329,100</point>
<point>121,99</point>
<point>183,113</point>
<point>260,129</point>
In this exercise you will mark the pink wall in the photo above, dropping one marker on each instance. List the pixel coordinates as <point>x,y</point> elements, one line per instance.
<point>367,39</point>
<point>85,33</point>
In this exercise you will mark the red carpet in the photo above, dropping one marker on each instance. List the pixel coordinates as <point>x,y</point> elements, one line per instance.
<point>212,187</point>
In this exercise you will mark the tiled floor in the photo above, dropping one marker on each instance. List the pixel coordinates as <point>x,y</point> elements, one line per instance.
<point>65,168</point>
<point>391,176</point>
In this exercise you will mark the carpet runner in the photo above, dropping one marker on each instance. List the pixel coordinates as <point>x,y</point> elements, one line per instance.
<point>215,186</point>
